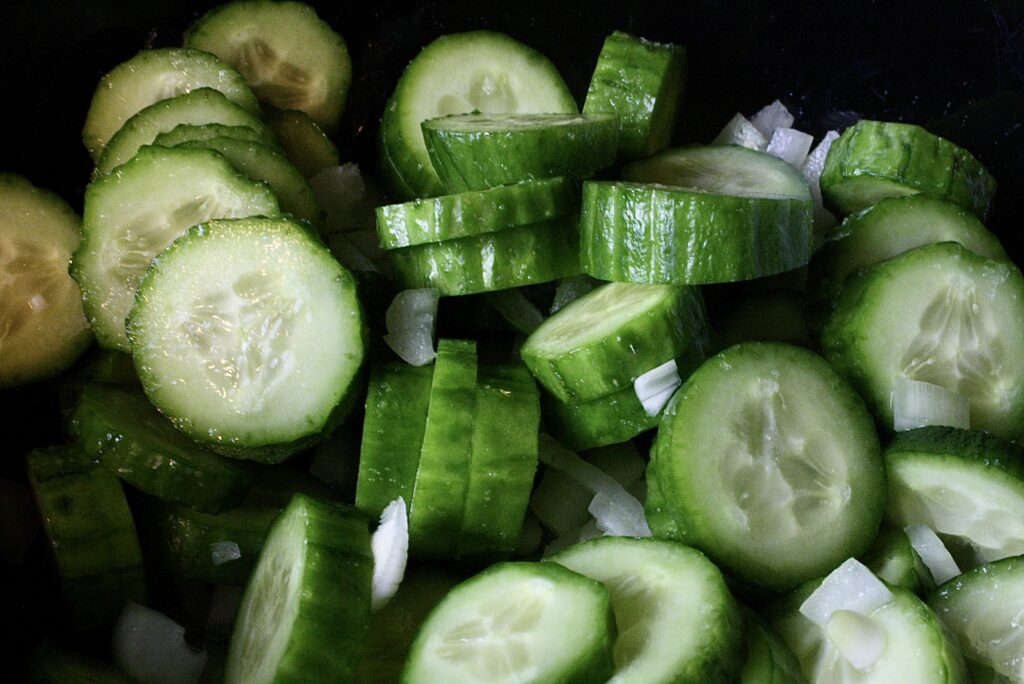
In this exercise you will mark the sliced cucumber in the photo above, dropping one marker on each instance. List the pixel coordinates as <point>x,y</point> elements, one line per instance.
<point>937,314</point>
<point>305,612</point>
<point>199,132</point>
<point>768,660</point>
<point>304,142</point>
<point>873,160</point>
<point>458,73</point>
<point>609,419</point>
<point>658,589</point>
<point>516,622</point>
<point>42,326</point>
<point>289,56</point>
<point>893,559</point>
<point>248,334</point>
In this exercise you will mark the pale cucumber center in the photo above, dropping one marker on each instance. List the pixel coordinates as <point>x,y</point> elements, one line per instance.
<point>486,91</point>
<point>33,276</point>
<point>272,78</point>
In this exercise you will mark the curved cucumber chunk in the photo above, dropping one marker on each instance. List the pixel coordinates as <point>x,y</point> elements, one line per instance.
<point>768,660</point>
<point>609,419</point>
<point>199,132</point>
<point>892,559</point>
<point>304,142</point>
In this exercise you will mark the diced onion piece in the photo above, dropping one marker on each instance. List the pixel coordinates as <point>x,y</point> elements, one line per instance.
<point>655,387</point>
<point>572,288</point>
<point>771,117</point>
<point>515,308</point>
<point>851,586</point>
<point>224,552</point>
<point>390,546</point>
<point>739,131</point>
<point>858,638</point>
<point>220,618</point>
<point>347,197</point>
<point>618,518</point>
<point>791,145</point>
<point>916,404</point>
<point>815,162</point>
<point>150,647</point>
<point>933,553</point>
<point>349,256</point>
<point>410,322</point>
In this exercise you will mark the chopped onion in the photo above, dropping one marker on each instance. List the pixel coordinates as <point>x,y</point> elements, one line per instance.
<point>771,117</point>
<point>591,530</point>
<point>851,586</point>
<point>572,288</point>
<point>790,145</point>
<point>224,552</point>
<point>916,404</point>
<point>739,131</point>
<point>858,638</point>
<point>390,545</point>
<point>824,220</point>
<point>410,322</point>
<point>515,308</point>
<point>151,648</point>
<point>220,618</point>
<point>347,196</point>
<point>655,387</point>
<point>933,553</point>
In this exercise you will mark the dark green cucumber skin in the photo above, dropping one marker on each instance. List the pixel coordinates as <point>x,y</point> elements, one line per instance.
<point>659,518</point>
<point>907,156</point>
<point>202,132</point>
<point>513,257</point>
<point>129,437</point>
<point>642,82</point>
<point>611,419</point>
<point>640,233</point>
<point>974,446</point>
<point>479,158</point>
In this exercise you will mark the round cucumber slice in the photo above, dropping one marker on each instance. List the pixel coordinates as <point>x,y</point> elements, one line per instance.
<point>305,144</point>
<point>610,419</point>
<point>459,73</point>
<point>199,132</point>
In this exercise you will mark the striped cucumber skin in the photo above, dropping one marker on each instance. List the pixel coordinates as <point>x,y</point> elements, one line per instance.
<point>513,257</point>
<point>463,214</point>
<point>439,494</point>
<point>609,419</point>
<point>305,612</point>
<point>200,132</point>
<point>643,82</point>
<point>130,438</point>
<point>638,233</point>
<point>479,151</point>
<point>396,417</point>
<point>503,463</point>
<point>873,160</point>
<point>91,533</point>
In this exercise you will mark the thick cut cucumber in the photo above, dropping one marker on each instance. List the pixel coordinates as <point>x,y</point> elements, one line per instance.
<point>42,326</point>
<point>609,419</point>
<point>249,335</point>
<point>152,76</point>
<point>459,73</point>
<point>517,622</point>
<point>305,612</point>
<point>136,212</point>
<point>289,56</point>
<point>768,461</point>
<point>304,142</point>
<point>937,314</point>
<point>513,257</point>
<point>873,160</point>
<point>642,82</point>
<point>677,622</point>
<point>479,151</point>
<point>476,212</point>
<point>199,132</point>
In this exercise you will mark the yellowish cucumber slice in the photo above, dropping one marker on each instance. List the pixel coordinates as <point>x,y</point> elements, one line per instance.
<point>304,142</point>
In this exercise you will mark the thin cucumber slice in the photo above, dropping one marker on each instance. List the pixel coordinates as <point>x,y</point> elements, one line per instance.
<point>513,257</point>
<point>769,462</point>
<point>199,132</point>
<point>768,660</point>
<point>42,326</point>
<point>475,212</point>
<point>873,160</point>
<point>601,342</point>
<point>289,56</point>
<point>248,335</point>
<point>91,533</point>
<point>517,622</point>
<point>479,151</point>
<point>459,73</point>
<point>304,142</point>
<point>305,612</point>
<point>937,314</point>
<point>442,477</point>
<point>642,82</point>
<point>658,589</point>
<point>982,607</point>
<point>136,212</point>
<point>892,559</point>
<point>118,427</point>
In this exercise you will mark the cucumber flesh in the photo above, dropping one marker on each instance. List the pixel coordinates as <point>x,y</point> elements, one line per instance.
<point>304,142</point>
<point>199,132</point>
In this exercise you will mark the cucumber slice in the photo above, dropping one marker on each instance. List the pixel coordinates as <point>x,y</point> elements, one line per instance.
<point>937,314</point>
<point>601,342</point>
<point>42,326</point>
<point>476,212</point>
<point>135,213</point>
<point>200,106</point>
<point>770,464</point>
<point>516,622</point>
<point>610,419</point>
<point>152,76</point>
<point>289,56</point>
<point>118,427</point>
<point>248,334</point>
<point>305,612</point>
<point>479,151</point>
<point>873,160</point>
<point>660,519</point>
<point>458,73</point>
<point>512,257</point>
<point>199,132</point>
<point>892,559</point>
<point>658,589</point>
<point>768,660</point>
<point>305,144</point>
<point>642,82</point>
